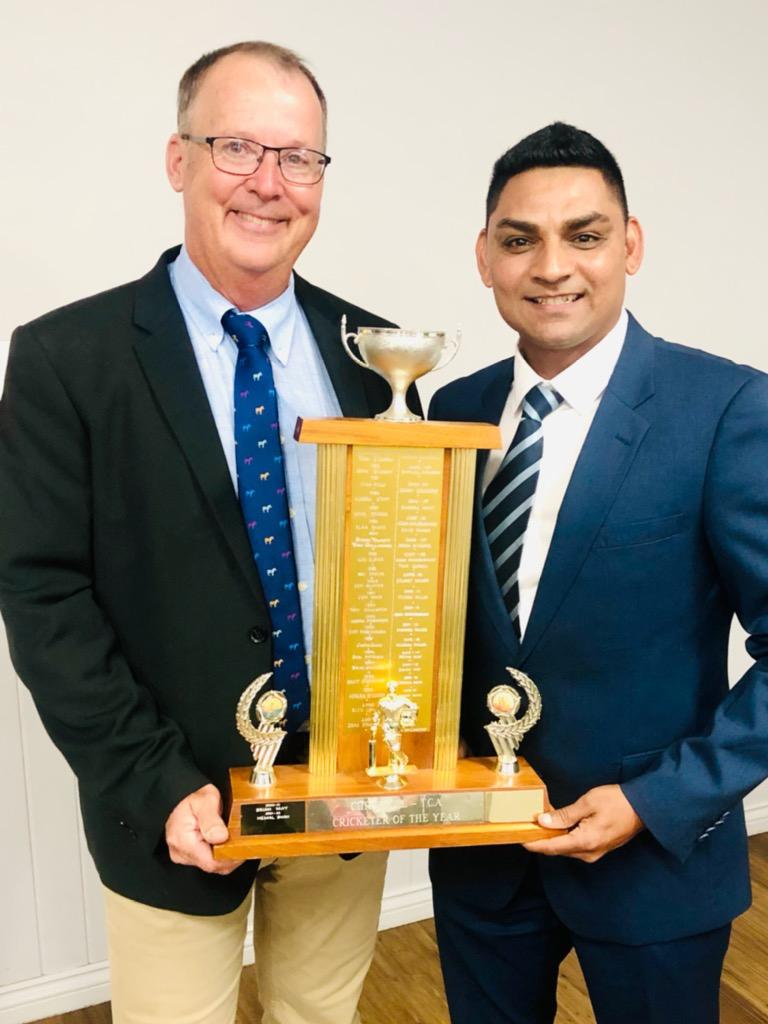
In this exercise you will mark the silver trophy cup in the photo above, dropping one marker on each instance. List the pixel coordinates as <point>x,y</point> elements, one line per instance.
<point>400,357</point>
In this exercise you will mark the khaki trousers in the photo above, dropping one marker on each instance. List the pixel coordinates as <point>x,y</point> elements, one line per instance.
<point>315,923</point>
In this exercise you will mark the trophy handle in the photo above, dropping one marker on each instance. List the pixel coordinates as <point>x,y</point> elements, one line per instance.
<point>450,350</point>
<point>345,342</point>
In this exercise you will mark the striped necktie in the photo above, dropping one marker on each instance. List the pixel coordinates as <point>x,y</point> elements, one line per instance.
<point>509,496</point>
<point>264,502</point>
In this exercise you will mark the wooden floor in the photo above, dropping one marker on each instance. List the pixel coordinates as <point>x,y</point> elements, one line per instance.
<point>405,987</point>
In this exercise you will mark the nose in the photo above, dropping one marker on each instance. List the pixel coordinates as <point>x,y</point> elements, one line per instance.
<point>267,180</point>
<point>553,263</point>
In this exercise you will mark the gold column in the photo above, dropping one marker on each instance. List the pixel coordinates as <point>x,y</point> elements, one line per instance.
<point>454,606</point>
<point>327,628</point>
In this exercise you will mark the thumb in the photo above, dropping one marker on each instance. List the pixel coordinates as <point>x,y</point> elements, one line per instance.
<point>564,817</point>
<point>207,809</point>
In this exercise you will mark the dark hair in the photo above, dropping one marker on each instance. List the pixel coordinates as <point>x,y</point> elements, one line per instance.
<point>557,145</point>
<point>278,55</point>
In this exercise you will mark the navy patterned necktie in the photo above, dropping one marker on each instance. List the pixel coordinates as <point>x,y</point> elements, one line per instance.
<point>264,502</point>
<point>509,496</point>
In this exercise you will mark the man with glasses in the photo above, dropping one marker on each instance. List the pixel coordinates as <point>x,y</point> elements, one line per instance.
<point>156,555</point>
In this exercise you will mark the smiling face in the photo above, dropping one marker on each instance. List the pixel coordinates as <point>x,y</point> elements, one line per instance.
<point>246,233</point>
<point>556,252</point>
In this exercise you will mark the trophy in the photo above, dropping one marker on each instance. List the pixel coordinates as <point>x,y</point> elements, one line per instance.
<point>400,357</point>
<point>394,518</point>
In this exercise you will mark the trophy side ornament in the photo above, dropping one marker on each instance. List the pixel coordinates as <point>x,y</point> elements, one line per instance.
<point>400,357</point>
<point>507,732</point>
<point>266,737</point>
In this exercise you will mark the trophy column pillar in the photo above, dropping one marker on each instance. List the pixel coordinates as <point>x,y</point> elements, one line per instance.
<point>458,535</point>
<point>332,470</point>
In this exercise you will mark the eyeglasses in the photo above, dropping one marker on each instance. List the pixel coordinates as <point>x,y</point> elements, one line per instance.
<point>243,156</point>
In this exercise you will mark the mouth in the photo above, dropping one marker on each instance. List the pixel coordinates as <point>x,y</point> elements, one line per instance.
<point>554,300</point>
<point>255,222</point>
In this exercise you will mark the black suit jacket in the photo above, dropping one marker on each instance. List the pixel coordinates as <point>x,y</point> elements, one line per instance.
<point>133,608</point>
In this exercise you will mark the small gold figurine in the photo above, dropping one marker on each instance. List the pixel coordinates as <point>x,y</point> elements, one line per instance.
<point>396,714</point>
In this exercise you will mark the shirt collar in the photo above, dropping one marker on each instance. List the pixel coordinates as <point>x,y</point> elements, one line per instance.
<point>206,306</point>
<point>278,317</point>
<point>584,381</point>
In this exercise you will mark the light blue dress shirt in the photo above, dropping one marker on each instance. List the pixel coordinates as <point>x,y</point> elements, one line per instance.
<point>303,389</point>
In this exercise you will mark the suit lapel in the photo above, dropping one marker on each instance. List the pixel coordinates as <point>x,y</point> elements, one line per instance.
<point>359,391</point>
<point>491,402</point>
<point>168,361</point>
<point>608,451</point>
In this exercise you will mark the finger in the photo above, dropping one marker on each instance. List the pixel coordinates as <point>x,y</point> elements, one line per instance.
<point>570,845</point>
<point>192,850</point>
<point>206,806</point>
<point>565,817</point>
<point>202,857</point>
<point>226,867</point>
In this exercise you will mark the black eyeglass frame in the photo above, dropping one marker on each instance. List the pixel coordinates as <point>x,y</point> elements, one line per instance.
<point>210,139</point>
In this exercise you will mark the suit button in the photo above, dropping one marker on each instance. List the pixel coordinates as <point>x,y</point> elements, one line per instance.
<point>258,635</point>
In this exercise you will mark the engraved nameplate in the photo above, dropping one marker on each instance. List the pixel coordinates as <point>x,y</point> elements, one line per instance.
<point>272,818</point>
<point>395,811</point>
<point>504,806</point>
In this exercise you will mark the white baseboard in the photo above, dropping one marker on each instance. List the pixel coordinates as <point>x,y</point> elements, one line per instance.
<point>406,907</point>
<point>85,986</point>
<point>757,818</point>
<point>54,993</point>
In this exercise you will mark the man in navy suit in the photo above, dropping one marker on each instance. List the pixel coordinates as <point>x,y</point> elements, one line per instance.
<point>614,541</point>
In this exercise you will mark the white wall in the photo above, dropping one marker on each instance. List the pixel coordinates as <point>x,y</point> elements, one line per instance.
<point>423,97</point>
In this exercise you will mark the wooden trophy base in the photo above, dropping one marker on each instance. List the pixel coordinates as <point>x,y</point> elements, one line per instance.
<point>303,814</point>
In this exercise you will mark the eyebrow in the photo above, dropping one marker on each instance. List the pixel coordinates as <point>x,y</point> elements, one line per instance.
<point>586,220</point>
<point>517,225</point>
<point>528,228</point>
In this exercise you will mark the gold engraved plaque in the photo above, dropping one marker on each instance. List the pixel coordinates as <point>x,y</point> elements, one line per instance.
<point>392,576</point>
<point>396,811</point>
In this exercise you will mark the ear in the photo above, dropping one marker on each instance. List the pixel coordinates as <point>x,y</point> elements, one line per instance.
<point>175,160</point>
<point>481,255</point>
<point>635,246</point>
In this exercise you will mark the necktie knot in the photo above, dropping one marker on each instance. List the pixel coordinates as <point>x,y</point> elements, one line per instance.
<point>245,330</point>
<point>540,401</point>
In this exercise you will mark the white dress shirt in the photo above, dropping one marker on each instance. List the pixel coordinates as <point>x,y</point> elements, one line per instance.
<point>303,389</point>
<point>564,431</point>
